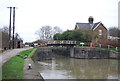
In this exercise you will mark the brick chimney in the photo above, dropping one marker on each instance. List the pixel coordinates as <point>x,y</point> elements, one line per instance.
<point>90,20</point>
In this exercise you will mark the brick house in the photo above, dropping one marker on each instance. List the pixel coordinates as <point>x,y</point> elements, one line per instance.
<point>4,40</point>
<point>100,31</point>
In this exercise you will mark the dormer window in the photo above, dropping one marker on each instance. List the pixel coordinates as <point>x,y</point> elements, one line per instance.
<point>100,32</point>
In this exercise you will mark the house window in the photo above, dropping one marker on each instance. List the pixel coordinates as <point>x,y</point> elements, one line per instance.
<point>100,32</point>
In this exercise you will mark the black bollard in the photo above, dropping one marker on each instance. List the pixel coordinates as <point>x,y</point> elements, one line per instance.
<point>29,66</point>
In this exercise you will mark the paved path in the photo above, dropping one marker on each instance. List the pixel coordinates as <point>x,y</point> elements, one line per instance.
<point>7,55</point>
<point>31,73</point>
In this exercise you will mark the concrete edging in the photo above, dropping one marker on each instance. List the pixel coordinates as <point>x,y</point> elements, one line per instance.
<point>31,73</point>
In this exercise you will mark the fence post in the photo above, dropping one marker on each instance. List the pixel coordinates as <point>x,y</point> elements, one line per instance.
<point>116,48</point>
<point>82,44</point>
<point>75,42</point>
<point>100,45</point>
<point>48,42</point>
<point>90,44</point>
<point>108,46</point>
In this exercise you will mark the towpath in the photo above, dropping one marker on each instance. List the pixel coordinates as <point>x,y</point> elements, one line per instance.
<point>7,55</point>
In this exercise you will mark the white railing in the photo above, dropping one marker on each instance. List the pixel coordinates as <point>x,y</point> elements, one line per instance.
<point>62,42</point>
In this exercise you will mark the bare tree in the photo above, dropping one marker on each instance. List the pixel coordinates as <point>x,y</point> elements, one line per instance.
<point>4,39</point>
<point>47,32</point>
<point>57,29</point>
<point>114,31</point>
<point>44,33</point>
<point>39,34</point>
<point>5,29</point>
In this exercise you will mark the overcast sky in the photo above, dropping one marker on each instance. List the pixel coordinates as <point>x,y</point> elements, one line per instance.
<point>32,14</point>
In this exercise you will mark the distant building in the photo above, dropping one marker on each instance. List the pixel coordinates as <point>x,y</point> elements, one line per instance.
<point>35,44</point>
<point>98,28</point>
<point>19,43</point>
<point>113,38</point>
<point>4,41</point>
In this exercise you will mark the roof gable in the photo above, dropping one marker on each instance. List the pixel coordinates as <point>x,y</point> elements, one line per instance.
<point>88,25</point>
<point>98,26</point>
<point>95,25</point>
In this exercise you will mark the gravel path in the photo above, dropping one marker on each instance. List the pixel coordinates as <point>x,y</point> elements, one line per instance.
<point>7,55</point>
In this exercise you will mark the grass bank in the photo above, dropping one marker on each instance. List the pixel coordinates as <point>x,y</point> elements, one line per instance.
<point>42,47</point>
<point>112,49</point>
<point>13,68</point>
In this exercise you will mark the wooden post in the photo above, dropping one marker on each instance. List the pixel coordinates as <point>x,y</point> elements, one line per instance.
<point>116,48</point>
<point>108,46</point>
<point>75,42</point>
<point>100,45</point>
<point>90,44</point>
<point>82,44</point>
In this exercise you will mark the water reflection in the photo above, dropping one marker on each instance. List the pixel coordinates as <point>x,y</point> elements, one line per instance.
<point>69,68</point>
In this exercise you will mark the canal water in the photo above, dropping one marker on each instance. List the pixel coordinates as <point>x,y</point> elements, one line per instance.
<point>61,67</point>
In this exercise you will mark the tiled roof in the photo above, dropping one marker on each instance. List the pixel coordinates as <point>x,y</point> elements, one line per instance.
<point>87,25</point>
<point>95,24</point>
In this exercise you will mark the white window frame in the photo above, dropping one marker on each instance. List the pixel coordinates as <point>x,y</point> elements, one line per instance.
<point>100,32</point>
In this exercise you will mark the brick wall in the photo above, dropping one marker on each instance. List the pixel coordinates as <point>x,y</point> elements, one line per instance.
<point>100,38</point>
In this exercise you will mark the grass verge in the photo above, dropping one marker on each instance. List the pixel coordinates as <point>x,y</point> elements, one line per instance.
<point>112,49</point>
<point>13,68</point>
<point>32,53</point>
<point>26,53</point>
<point>84,47</point>
<point>42,47</point>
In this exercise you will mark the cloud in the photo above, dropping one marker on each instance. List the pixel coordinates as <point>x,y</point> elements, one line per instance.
<point>32,14</point>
